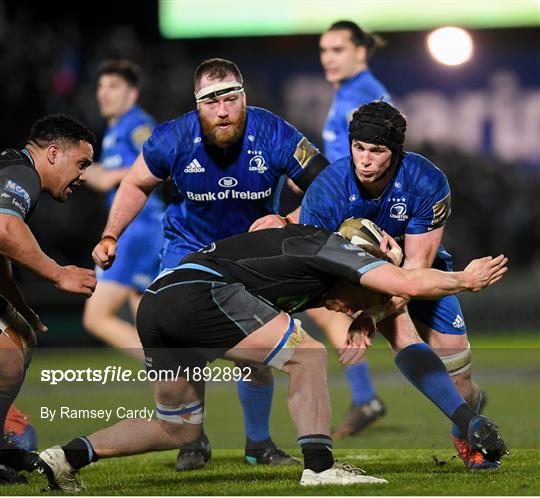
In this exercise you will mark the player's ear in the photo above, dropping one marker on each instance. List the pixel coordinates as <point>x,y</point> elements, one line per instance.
<point>134,93</point>
<point>52,153</point>
<point>361,54</point>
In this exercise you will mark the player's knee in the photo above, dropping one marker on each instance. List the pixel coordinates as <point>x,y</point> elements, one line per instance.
<point>11,368</point>
<point>17,332</point>
<point>318,355</point>
<point>187,413</point>
<point>293,347</point>
<point>93,319</point>
<point>312,354</point>
<point>89,320</point>
<point>172,393</point>
<point>260,375</point>
<point>458,364</point>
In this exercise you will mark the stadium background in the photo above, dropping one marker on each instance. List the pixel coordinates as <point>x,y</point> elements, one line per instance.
<point>480,123</point>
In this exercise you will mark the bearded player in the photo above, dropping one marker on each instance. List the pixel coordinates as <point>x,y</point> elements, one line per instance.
<point>225,160</point>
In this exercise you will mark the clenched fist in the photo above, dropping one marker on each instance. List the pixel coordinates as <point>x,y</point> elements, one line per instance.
<point>105,252</point>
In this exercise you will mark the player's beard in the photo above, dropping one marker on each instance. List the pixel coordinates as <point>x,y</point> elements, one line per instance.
<point>224,138</point>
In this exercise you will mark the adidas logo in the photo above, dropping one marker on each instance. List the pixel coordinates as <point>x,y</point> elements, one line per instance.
<point>194,167</point>
<point>458,322</point>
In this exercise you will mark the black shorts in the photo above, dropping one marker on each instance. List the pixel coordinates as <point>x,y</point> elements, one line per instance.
<point>192,316</point>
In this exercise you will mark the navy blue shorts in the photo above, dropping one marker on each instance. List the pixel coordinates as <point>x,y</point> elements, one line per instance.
<point>137,256</point>
<point>443,315</point>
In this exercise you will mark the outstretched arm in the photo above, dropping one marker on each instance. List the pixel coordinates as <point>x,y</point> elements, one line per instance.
<point>428,283</point>
<point>407,284</point>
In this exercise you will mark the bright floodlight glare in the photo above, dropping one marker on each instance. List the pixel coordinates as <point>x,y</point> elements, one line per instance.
<point>450,46</point>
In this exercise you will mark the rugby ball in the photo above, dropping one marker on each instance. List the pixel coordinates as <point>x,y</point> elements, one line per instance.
<point>361,231</point>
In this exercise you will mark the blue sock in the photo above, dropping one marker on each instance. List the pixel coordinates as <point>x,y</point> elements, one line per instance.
<point>426,371</point>
<point>362,391</point>
<point>256,402</point>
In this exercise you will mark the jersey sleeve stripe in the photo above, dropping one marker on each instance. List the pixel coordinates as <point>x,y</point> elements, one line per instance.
<point>12,212</point>
<point>364,269</point>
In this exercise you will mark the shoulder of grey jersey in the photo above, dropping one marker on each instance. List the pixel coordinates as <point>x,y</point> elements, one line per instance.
<point>20,184</point>
<point>346,260</point>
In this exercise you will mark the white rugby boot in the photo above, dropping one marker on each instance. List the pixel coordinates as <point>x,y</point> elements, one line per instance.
<point>60,474</point>
<point>339,473</point>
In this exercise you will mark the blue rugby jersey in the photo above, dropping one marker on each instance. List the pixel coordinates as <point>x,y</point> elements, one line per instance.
<point>122,144</point>
<point>360,89</point>
<point>416,201</point>
<point>221,192</point>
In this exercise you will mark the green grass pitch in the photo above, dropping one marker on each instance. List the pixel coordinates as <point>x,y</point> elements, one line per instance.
<point>410,447</point>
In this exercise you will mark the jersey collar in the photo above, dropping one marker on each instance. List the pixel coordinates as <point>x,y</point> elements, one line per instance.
<point>26,152</point>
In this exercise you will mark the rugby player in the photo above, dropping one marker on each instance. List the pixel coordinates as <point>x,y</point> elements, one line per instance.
<point>137,263</point>
<point>409,197</point>
<point>344,52</point>
<point>57,152</point>
<point>233,298</point>
<point>225,160</point>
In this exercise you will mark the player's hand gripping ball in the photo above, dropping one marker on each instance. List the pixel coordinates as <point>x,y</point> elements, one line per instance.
<point>361,231</point>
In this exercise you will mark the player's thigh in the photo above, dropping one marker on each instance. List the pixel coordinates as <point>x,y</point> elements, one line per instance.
<point>399,331</point>
<point>256,346</point>
<point>176,390</point>
<point>169,365</point>
<point>441,324</point>
<point>334,325</point>
<point>279,343</point>
<point>192,317</point>
<point>106,300</point>
<point>442,343</point>
<point>134,300</point>
<point>11,361</point>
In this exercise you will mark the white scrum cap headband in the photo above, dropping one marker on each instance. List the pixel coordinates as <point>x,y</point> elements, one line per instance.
<point>217,90</point>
